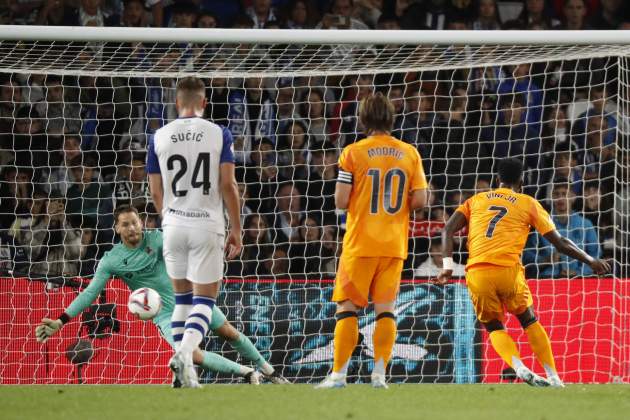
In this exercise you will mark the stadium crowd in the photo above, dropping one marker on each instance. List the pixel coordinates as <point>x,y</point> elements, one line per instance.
<point>73,148</point>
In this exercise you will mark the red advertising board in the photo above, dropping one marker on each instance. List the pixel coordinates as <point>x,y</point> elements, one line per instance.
<point>588,321</point>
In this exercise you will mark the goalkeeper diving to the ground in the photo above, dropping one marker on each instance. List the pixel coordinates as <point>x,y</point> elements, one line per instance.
<point>138,261</point>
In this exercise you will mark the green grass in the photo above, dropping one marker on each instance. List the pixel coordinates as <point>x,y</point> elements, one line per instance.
<point>431,402</point>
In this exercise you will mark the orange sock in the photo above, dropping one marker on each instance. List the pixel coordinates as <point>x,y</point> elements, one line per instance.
<point>384,339</point>
<point>346,337</point>
<point>505,346</point>
<point>541,346</point>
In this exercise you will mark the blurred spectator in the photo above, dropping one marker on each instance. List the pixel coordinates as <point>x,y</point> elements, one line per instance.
<point>21,229</point>
<point>262,178</point>
<point>340,17</point>
<point>431,14</point>
<point>482,185</point>
<point>599,212</point>
<point>288,213</point>
<point>30,143</point>
<point>16,188</point>
<point>90,13</point>
<point>569,224</point>
<point>292,146</point>
<point>261,12</point>
<point>286,104</point>
<point>306,250</point>
<point>130,186</point>
<point>88,254</point>
<point>534,16</point>
<point>512,134</point>
<point>89,202</point>
<point>598,157</point>
<point>207,20</point>
<point>256,237</point>
<point>487,16</point>
<point>54,246</point>
<point>133,15</point>
<point>574,15</point>
<point>184,15</point>
<point>389,22</point>
<point>609,16</point>
<point>274,262</point>
<point>368,11</point>
<point>251,116</point>
<point>60,116</point>
<point>57,13</point>
<point>432,266</point>
<point>60,176</point>
<point>522,83</point>
<point>218,108</point>
<point>300,15</point>
<point>597,107</point>
<point>565,166</point>
<point>345,127</point>
<point>321,185</point>
<point>313,110</point>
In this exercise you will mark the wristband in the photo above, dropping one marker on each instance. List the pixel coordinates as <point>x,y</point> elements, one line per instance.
<point>64,318</point>
<point>447,263</point>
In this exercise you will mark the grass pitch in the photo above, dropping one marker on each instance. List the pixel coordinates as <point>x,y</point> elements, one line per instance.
<point>233,402</point>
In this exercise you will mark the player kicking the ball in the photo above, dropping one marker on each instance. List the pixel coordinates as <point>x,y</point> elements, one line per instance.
<point>498,224</point>
<point>138,261</point>
<point>381,180</point>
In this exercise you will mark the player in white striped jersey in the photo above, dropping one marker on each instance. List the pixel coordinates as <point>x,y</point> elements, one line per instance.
<point>190,162</point>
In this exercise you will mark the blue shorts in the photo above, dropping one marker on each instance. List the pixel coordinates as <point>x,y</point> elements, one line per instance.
<point>163,323</point>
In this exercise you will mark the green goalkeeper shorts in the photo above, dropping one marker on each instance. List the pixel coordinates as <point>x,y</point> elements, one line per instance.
<point>163,323</point>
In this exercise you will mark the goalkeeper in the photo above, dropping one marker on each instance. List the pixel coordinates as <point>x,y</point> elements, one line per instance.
<point>138,261</point>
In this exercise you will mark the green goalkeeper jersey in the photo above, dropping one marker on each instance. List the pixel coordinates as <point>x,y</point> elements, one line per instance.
<point>137,267</point>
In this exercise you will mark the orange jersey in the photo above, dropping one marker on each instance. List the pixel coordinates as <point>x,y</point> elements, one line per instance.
<point>382,171</point>
<point>499,222</point>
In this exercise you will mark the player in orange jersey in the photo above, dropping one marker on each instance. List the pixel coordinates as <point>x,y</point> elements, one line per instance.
<point>381,180</point>
<point>498,223</point>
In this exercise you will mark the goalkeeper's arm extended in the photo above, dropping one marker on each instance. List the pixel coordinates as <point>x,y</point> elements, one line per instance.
<point>49,327</point>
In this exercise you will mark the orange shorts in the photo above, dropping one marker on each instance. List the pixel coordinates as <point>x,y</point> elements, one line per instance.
<point>359,278</point>
<point>495,289</point>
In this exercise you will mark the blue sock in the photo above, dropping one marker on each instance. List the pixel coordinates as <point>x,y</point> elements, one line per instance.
<point>197,323</point>
<point>183,306</point>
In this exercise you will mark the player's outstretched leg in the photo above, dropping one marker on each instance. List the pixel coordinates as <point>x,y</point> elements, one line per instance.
<point>384,339</point>
<point>216,363</point>
<point>346,336</point>
<point>506,348</point>
<point>243,345</point>
<point>541,346</point>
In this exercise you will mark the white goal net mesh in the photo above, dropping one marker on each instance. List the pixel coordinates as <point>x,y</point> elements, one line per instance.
<point>74,122</point>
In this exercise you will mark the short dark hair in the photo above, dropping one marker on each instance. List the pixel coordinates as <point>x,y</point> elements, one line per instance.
<point>122,209</point>
<point>191,87</point>
<point>510,171</point>
<point>376,113</point>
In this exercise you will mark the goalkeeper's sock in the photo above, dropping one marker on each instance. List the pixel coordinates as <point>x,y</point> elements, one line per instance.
<point>216,363</point>
<point>197,323</point>
<point>346,337</point>
<point>183,306</point>
<point>246,348</point>
<point>541,346</point>
<point>506,348</point>
<point>384,339</point>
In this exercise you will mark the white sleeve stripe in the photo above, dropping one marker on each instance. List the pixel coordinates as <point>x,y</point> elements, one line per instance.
<point>344,178</point>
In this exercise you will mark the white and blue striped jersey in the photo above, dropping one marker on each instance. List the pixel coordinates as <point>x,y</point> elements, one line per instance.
<point>188,152</point>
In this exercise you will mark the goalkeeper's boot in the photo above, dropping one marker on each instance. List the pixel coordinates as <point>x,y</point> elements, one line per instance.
<point>276,378</point>
<point>184,370</point>
<point>555,381</point>
<point>176,382</point>
<point>378,381</point>
<point>253,378</point>
<point>334,380</point>
<point>530,378</point>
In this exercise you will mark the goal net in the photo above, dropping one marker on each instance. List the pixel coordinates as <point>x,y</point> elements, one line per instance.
<point>75,115</point>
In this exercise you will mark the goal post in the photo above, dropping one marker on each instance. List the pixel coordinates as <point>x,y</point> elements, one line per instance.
<point>78,104</point>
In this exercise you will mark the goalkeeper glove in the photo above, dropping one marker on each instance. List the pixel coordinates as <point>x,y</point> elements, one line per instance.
<point>47,329</point>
